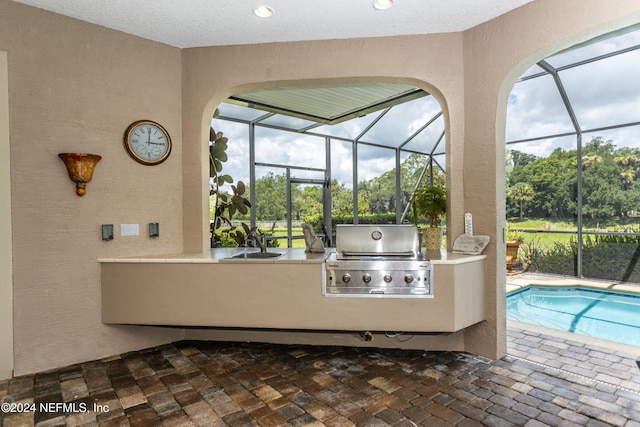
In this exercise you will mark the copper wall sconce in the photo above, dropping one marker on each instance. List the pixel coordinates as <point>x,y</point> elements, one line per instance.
<point>80,167</point>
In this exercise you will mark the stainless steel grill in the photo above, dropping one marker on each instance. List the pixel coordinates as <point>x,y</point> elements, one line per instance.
<point>378,261</point>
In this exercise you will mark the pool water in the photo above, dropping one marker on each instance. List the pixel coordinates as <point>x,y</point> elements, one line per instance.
<point>608,315</point>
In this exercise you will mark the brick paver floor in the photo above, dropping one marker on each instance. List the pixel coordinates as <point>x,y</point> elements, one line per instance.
<point>544,381</point>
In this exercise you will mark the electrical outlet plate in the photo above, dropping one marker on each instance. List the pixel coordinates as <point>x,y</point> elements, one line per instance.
<point>107,231</point>
<point>154,229</point>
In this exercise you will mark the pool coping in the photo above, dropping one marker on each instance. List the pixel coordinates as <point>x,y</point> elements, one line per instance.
<point>611,346</point>
<point>521,281</point>
<point>515,283</point>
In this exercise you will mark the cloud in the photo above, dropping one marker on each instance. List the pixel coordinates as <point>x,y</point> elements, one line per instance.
<point>402,122</point>
<point>237,164</point>
<point>603,93</point>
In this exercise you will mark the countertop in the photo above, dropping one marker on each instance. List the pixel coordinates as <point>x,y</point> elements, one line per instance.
<point>289,255</point>
<point>223,255</point>
<point>444,257</point>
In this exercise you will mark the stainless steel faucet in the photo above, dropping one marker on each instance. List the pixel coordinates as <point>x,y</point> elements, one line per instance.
<point>260,239</point>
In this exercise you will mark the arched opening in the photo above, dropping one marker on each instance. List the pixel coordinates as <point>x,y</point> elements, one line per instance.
<point>572,151</point>
<point>330,153</point>
<point>573,160</point>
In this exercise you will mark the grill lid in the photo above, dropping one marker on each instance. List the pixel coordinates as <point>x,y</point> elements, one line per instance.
<point>386,241</point>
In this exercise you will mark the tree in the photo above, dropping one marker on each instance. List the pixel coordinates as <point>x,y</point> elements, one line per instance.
<point>521,193</point>
<point>627,160</point>
<point>271,197</point>
<point>554,182</point>
<point>307,201</point>
<point>601,187</point>
<point>380,192</point>
<point>342,200</point>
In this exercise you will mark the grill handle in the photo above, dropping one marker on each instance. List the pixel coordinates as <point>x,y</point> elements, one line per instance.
<point>379,254</point>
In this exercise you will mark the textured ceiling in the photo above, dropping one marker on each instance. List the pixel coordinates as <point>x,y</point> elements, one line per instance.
<point>194,23</point>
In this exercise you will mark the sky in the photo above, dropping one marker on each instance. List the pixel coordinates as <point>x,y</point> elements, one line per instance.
<point>603,93</point>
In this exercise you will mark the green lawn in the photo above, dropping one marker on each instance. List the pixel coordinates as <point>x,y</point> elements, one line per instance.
<point>298,243</point>
<point>548,238</point>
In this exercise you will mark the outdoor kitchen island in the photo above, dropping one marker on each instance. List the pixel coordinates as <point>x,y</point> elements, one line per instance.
<point>216,297</point>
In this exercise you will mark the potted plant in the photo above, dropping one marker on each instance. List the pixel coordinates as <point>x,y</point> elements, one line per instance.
<point>431,203</point>
<point>225,205</point>
<point>514,240</point>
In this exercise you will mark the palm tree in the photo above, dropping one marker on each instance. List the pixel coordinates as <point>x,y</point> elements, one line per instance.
<point>628,162</point>
<point>589,160</point>
<point>521,192</point>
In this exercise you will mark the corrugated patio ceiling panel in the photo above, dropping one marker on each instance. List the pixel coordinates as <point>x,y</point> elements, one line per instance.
<point>240,113</point>
<point>330,103</point>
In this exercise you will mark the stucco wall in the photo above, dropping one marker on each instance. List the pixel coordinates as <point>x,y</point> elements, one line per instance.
<point>74,86</point>
<point>470,73</point>
<point>6,273</point>
<point>495,55</point>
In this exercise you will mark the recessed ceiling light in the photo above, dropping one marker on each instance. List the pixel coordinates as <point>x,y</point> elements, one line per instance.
<point>382,4</point>
<point>263,11</point>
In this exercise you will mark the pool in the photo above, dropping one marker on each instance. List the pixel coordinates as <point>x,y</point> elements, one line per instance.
<point>608,315</point>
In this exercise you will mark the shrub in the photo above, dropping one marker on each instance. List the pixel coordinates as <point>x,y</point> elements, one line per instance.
<point>609,257</point>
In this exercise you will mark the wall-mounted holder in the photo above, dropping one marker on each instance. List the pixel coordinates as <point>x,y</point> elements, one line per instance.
<point>80,167</point>
<point>154,229</point>
<point>107,231</point>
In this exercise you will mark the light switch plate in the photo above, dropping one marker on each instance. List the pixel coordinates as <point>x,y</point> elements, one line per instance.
<point>129,230</point>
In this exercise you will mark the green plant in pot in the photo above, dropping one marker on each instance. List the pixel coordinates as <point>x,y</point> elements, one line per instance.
<point>223,232</point>
<point>431,203</point>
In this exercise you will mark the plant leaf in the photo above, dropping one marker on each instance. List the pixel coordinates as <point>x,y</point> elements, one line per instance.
<point>241,188</point>
<point>237,237</point>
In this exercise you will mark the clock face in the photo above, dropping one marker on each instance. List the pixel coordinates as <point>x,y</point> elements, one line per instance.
<point>147,142</point>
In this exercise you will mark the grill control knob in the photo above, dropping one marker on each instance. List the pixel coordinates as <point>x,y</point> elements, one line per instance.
<point>366,278</point>
<point>387,278</point>
<point>346,278</point>
<point>408,278</point>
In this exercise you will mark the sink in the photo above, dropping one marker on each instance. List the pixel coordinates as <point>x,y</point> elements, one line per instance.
<point>257,255</point>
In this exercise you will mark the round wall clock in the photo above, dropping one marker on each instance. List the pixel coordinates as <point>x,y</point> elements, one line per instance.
<point>147,142</point>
